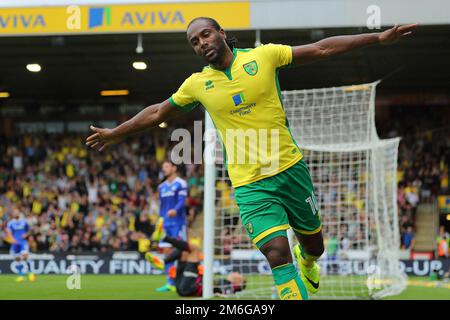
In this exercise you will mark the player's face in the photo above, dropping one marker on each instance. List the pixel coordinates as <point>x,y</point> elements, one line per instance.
<point>206,41</point>
<point>168,169</point>
<point>15,214</point>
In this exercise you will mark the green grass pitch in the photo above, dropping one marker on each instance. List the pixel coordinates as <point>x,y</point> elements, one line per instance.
<point>137,287</point>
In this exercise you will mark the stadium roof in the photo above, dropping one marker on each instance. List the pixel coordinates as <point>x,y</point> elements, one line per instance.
<point>76,68</point>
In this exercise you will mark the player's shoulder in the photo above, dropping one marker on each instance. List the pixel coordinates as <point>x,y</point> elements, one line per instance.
<point>244,50</point>
<point>199,75</point>
<point>161,184</point>
<point>181,182</point>
<point>195,78</point>
<point>260,53</point>
<point>278,54</point>
<point>270,47</point>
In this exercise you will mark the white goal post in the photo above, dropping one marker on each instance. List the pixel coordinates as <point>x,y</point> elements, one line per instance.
<point>354,174</point>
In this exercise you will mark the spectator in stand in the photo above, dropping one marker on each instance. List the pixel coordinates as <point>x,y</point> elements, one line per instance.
<point>408,239</point>
<point>411,194</point>
<point>443,243</point>
<point>81,201</point>
<point>444,179</point>
<point>64,190</point>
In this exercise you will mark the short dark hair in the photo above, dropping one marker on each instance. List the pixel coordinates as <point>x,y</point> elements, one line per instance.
<point>231,42</point>
<point>168,160</point>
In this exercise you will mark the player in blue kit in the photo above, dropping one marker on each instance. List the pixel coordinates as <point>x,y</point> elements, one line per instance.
<point>17,230</point>
<point>172,211</point>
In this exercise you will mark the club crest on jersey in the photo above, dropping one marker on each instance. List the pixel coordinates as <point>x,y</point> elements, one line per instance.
<point>249,227</point>
<point>251,68</point>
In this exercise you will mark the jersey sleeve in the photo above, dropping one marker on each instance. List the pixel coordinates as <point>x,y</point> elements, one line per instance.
<point>279,54</point>
<point>182,189</point>
<point>9,226</point>
<point>159,193</point>
<point>184,98</point>
<point>182,193</point>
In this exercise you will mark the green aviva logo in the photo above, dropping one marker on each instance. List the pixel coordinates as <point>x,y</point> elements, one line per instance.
<point>209,85</point>
<point>99,16</point>
<point>238,98</point>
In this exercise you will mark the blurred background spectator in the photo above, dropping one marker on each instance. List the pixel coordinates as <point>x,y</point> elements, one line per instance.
<point>79,200</point>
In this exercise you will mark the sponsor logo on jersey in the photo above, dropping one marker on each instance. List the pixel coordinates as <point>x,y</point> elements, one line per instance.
<point>209,85</point>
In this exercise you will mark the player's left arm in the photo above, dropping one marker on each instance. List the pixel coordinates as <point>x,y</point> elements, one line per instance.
<point>334,46</point>
<point>27,231</point>
<point>9,235</point>
<point>181,198</point>
<point>9,232</point>
<point>26,235</point>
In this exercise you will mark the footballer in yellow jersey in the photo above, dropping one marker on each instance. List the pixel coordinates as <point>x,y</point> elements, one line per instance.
<point>239,89</point>
<point>244,100</point>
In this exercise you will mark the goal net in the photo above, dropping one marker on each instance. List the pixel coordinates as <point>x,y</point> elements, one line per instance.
<point>354,174</point>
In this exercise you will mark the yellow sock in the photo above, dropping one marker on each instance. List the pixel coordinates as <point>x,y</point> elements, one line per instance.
<point>288,283</point>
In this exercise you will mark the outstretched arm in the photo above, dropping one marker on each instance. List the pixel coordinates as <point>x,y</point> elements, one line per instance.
<point>147,118</point>
<point>333,46</point>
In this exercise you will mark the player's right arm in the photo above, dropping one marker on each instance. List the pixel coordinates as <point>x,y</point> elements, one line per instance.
<point>27,231</point>
<point>181,198</point>
<point>9,234</point>
<point>147,118</point>
<point>181,101</point>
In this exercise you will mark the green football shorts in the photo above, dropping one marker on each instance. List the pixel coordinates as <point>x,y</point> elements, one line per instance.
<point>270,206</point>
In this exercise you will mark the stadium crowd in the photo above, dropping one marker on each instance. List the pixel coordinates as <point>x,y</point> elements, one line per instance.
<point>79,200</point>
<point>423,163</point>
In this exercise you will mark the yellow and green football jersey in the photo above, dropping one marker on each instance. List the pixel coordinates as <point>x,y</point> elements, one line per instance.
<point>244,102</point>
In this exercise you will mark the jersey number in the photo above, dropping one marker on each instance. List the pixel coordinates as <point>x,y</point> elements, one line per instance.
<point>313,203</point>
